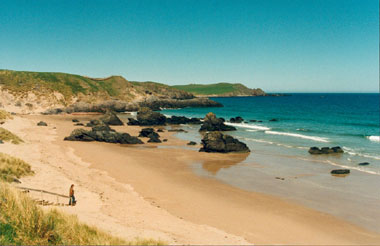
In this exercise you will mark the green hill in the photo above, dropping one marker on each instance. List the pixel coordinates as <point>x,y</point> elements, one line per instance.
<point>220,89</point>
<point>71,86</point>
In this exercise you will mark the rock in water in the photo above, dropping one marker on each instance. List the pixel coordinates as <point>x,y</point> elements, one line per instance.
<point>340,171</point>
<point>176,120</point>
<point>102,136</point>
<point>110,118</point>
<point>325,150</point>
<point>191,143</point>
<point>364,164</point>
<point>273,120</point>
<point>237,119</point>
<point>218,142</point>
<point>147,117</point>
<point>41,123</point>
<point>212,123</point>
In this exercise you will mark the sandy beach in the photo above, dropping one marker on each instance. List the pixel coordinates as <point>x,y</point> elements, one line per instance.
<point>150,191</point>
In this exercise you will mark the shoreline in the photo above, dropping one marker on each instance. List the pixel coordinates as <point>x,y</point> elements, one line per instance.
<point>210,204</point>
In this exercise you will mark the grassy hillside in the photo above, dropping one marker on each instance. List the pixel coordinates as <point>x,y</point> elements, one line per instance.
<point>220,89</point>
<point>71,85</point>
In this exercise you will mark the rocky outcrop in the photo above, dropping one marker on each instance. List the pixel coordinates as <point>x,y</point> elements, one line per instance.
<point>219,142</point>
<point>102,136</point>
<point>147,117</point>
<point>153,136</point>
<point>212,123</point>
<point>325,150</point>
<point>237,119</point>
<point>110,118</point>
<point>176,120</point>
<point>173,103</point>
<point>145,132</point>
<point>41,123</point>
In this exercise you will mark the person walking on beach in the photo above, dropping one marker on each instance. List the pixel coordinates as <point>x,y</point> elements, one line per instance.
<point>72,201</point>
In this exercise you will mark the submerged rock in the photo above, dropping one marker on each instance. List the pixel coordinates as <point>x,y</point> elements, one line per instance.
<point>110,118</point>
<point>41,123</point>
<point>237,119</point>
<point>273,120</point>
<point>325,150</point>
<point>218,142</point>
<point>102,136</point>
<point>363,164</point>
<point>212,123</point>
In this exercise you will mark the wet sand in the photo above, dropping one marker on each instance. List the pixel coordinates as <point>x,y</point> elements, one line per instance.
<point>175,204</point>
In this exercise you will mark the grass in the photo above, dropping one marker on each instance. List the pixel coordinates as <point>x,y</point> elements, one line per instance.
<point>5,115</point>
<point>11,167</point>
<point>211,89</point>
<point>8,136</point>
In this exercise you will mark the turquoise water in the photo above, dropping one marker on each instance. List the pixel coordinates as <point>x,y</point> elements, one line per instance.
<point>279,150</point>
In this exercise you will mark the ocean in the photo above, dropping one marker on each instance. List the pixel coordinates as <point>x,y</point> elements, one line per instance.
<point>279,162</point>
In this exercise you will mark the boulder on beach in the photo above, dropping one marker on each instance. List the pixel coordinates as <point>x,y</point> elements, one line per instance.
<point>191,143</point>
<point>212,123</point>
<point>340,171</point>
<point>154,138</point>
<point>160,130</point>
<point>75,120</point>
<point>237,119</point>
<point>41,123</point>
<point>325,150</point>
<point>110,118</point>
<point>145,132</point>
<point>218,142</point>
<point>147,117</point>
<point>102,136</point>
<point>93,123</point>
<point>176,120</point>
<point>79,124</point>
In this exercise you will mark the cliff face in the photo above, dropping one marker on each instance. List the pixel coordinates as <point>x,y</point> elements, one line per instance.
<point>25,92</point>
<point>220,90</point>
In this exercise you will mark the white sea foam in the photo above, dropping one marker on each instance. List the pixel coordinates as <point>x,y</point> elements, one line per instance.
<point>249,126</point>
<point>318,139</point>
<point>354,153</point>
<point>252,130</point>
<point>361,169</point>
<point>374,138</point>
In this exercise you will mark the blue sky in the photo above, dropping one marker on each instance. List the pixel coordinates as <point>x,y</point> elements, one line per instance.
<point>277,45</point>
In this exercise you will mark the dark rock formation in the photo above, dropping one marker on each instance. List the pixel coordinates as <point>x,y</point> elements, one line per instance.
<point>176,130</point>
<point>176,120</point>
<point>75,120</point>
<point>160,130</point>
<point>110,118</point>
<point>145,132</point>
<point>237,119</point>
<point>41,123</point>
<point>218,142</point>
<point>102,127</point>
<point>212,123</point>
<point>325,150</point>
<point>273,120</point>
<point>364,164</point>
<point>253,121</point>
<point>147,117</point>
<point>79,124</point>
<point>154,138</point>
<point>191,143</point>
<point>164,140</point>
<point>93,123</point>
<point>174,103</point>
<point>102,136</point>
<point>340,171</point>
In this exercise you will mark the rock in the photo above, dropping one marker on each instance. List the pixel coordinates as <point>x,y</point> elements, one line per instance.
<point>253,121</point>
<point>237,119</point>
<point>160,130</point>
<point>157,104</point>
<point>102,127</point>
<point>102,136</point>
<point>132,122</point>
<point>79,124</point>
<point>41,123</point>
<point>164,140</point>
<point>145,132</point>
<point>340,171</point>
<point>93,123</point>
<point>191,143</point>
<point>147,117</point>
<point>364,164</point>
<point>259,121</point>
<point>154,138</point>
<point>110,118</point>
<point>325,150</point>
<point>175,120</point>
<point>218,142</point>
<point>212,123</point>
<point>75,120</point>
<point>176,130</point>
<point>273,120</point>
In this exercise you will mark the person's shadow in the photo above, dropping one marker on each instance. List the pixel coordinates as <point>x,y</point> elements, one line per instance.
<point>227,161</point>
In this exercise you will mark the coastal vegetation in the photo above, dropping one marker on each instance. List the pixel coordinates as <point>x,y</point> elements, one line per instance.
<point>220,89</point>
<point>8,136</point>
<point>4,115</point>
<point>12,167</point>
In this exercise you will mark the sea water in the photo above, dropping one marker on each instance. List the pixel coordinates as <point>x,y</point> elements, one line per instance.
<point>279,162</point>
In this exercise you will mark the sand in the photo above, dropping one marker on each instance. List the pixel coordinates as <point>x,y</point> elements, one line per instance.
<point>150,191</point>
